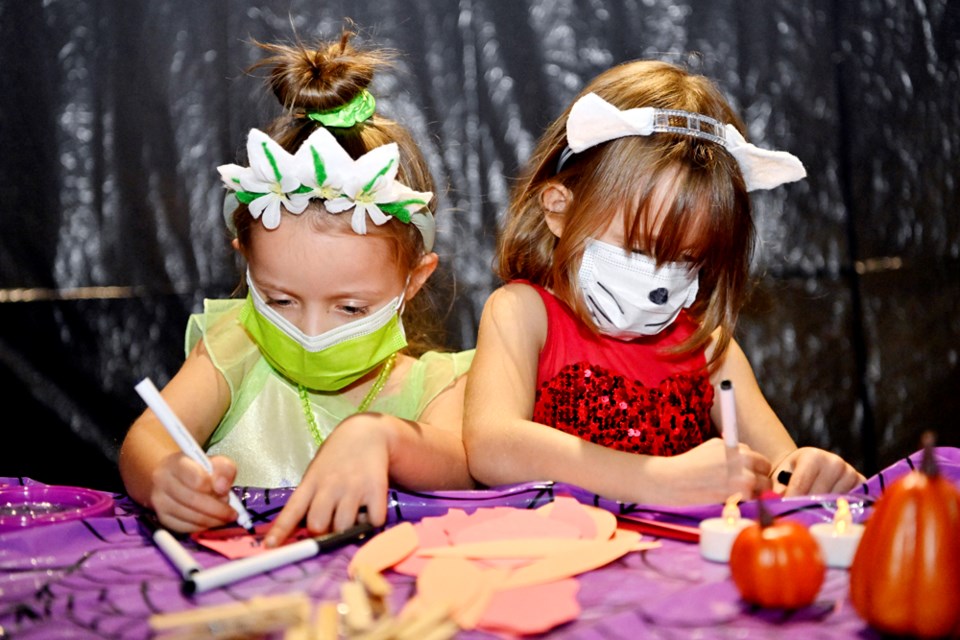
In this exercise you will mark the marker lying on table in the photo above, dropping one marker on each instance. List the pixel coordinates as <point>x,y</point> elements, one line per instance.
<point>186,442</point>
<point>185,564</point>
<point>236,570</point>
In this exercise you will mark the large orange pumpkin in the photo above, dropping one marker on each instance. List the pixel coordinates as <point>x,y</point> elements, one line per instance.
<point>905,576</point>
<point>776,564</point>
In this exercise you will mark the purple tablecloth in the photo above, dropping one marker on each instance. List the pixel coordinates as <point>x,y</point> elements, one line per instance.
<point>102,577</point>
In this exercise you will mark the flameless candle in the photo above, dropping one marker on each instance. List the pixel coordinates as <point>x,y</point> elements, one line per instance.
<point>838,540</point>
<point>717,534</point>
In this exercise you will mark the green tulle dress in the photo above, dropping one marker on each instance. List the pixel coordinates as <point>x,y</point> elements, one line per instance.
<point>265,431</point>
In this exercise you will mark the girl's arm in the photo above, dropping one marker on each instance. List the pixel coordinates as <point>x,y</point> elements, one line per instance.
<point>365,454</point>
<point>757,424</point>
<point>157,475</point>
<point>813,470</point>
<point>505,446</point>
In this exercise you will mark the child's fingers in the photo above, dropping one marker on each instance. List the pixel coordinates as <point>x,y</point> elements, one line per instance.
<point>756,462</point>
<point>345,515</point>
<point>224,472</point>
<point>288,519</point>
<point>377,507</point>
<point>756,472</point>
<point>196,513</point>
<point>805,475</point>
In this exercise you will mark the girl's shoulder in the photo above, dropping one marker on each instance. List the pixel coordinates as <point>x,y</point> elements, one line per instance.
<point>423,379</point>
<point>445,363</point>
<point>226,343</point>
<point>519,305</point>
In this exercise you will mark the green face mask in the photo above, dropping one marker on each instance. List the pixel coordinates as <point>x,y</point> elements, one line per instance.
<point>331,360</point>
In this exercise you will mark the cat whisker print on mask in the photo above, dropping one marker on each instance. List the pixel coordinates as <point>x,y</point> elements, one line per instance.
<point>619,287</point>
<point>309,380</point>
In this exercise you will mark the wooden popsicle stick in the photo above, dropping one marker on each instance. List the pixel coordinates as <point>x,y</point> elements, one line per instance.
<point>326,624</point>
<point>260,614</point>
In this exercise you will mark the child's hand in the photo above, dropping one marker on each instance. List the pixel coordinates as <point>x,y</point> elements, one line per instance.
<point>350,471</point>
<point>818,471</point>
<point>700,475</point>
<point>187,498</point>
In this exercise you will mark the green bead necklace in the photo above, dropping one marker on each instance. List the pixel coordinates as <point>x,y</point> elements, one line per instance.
<point>364,404</point>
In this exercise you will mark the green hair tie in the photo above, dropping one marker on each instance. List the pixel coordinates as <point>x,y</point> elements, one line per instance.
<point>357,110</point>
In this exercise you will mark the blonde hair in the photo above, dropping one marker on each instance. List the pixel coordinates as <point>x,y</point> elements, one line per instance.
<point>707,222</point>
<point>312,79</point>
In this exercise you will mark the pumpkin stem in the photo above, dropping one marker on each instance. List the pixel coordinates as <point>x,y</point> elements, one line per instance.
<point>763,514</point>
<point>929,464</point>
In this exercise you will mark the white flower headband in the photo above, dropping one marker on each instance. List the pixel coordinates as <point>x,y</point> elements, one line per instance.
<point>322,169</point>
<point>593,120</point>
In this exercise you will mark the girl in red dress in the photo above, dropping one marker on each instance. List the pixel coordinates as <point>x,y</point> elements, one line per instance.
<point>626,253</point>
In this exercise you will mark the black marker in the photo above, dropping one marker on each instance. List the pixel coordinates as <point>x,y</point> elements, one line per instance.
<point>236,570</point>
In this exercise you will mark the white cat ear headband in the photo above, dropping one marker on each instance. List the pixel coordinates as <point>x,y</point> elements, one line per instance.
<point>593,120</point>
<point>322,169</point>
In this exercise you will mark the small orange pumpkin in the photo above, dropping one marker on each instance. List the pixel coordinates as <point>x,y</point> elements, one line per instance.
<point>776,564</point>
<point>905,576</point>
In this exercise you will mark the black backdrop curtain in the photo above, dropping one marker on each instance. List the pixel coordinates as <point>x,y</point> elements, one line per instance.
<point>115,113</point>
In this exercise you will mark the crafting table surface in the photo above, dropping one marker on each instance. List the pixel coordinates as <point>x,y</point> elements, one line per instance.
<point>101,577</point>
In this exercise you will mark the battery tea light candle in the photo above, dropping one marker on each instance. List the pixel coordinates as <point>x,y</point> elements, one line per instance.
<point>717,534</point>
<point>838,540</point>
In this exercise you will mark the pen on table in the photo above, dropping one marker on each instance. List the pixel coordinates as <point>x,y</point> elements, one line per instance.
<point>172,550</point>
<point>728,424</point>
<point>236,570</point>
<point>186,442</point>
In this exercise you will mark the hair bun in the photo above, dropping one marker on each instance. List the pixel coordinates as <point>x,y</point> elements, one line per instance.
<point>322,77</point>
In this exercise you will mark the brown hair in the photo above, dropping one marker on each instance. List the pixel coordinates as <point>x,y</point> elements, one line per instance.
<point>311,79</point>
<point>708,221</point>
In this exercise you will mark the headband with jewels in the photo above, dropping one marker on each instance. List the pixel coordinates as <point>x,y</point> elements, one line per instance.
<point>593,120</point>
<point>322,169</point>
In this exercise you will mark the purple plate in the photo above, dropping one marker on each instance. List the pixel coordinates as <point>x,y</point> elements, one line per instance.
<point>34,505</point>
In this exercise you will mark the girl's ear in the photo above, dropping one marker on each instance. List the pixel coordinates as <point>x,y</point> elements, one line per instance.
<point>235,243</point>
<point>555,198</point>
<point>418,277</point>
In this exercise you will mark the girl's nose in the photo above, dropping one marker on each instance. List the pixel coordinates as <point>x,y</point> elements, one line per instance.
<point>313,322</point>
<point>659,296</point>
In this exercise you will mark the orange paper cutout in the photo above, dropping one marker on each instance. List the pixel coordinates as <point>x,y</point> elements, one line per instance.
<point>516,525</point>
<point>533,609</point>
<point>502,569</point>
<point>558,567</point>
<point>432,533</point>
<point>385,549</point>
<point>572,512</point>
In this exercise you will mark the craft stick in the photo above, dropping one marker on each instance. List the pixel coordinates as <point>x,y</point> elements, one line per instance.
<point>327,623</point>
<point>384,628</point>
<point>187,443</point>
<point>443,631</point>
<point>236,570</point>
<point>260,614</point>
<point>373,581</point>
<point>358,615</point>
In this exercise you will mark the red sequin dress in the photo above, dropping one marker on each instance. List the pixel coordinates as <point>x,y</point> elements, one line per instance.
<point>624,395</point>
